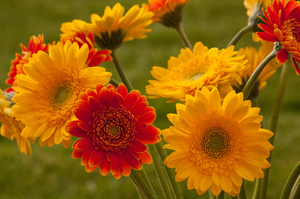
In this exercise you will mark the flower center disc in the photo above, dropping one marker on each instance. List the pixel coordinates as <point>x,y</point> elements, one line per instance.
<point>60,95</point>
<point>216,142</point>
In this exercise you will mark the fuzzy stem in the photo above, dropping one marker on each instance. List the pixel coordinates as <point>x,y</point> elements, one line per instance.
<point>273,126</point>
<point>183,37</point>
<point>162,177</point>
<point>141,185</point>
<point>121,71</point>
<point>253,78</point>
<point>240,34</point>
<point>287,189</point>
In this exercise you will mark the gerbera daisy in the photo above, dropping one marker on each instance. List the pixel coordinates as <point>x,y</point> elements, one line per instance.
<point>96,56</point>
<point>70,28</point>
<point>48,91</point>
<point>114,127</point>
<point>282,24</point>
<point>217,144</point>
<point>113,28</point>
<point>193,70</point>
<point>254,58</point>
<point>167,12</point>
<point>11,128</point>
<point>35,44</point>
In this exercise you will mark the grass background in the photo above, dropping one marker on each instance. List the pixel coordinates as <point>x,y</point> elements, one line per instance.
<point>51,172</point>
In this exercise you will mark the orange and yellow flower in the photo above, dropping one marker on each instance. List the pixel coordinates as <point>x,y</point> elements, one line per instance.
<point>114,127</point>
<point>282,24</point>
<point>49,88</point>
<point>35,44</point>
<point>11,128</point>
<point>112,29</point>
<point>167,12</point>
<point>217,144</point>
<point>193,70</point>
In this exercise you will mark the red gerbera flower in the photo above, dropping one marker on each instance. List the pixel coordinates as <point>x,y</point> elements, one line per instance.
<point>35,44</point>
<point>114,127</point>
<point>283,25</point>
<point>96,56</point>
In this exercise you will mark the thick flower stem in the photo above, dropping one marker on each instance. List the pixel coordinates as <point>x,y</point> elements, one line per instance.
<point>273,126</point>
<point>291,181</point>
<point>162,177</point>
<point>240,34</point>
<point>253,78</point>
<point>141,185</point>
<point>243,194</point>
<point>121,71</point>
<point>256,189</point>
<point>183,37</point>
<point>171,175</point>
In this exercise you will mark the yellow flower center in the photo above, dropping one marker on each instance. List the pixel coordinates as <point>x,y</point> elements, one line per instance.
<point>215,143</point>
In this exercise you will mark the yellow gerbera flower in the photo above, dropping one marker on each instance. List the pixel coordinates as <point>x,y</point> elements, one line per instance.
<point>113,28</point>
<point>70,28</point>
<point>193,70</point>
<point>217,144</point>
<point>167,12</point>
<point>48,91</point>
<point>254,58</point>
<point>10,127</point>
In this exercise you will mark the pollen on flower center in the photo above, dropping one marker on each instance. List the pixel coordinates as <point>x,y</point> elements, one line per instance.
<point>114,129</point>
<point>215,143</point>
<point>292,26</point>
<point>60,95</point>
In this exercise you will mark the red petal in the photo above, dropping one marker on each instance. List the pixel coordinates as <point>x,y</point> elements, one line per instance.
<point>96,157</point>
<point>91,93</point>
<point>139,108</point>
<point>104,167</point>
<point>82,104</point>
<point>83,144</point>
<point>83,115</point>
<point>267,36</point>
<point>146,158</point>
<point>90,169</point>
<point>77,154</point>
<point>150,135</point>
<point>122,90</point>
<point>86,156</point>
<point>138,147</point>
<point>73,128</point>
<point>148,117</point>
<point>131,99</point>
<point>85,126</point>
<point>125,168</point>
<point>115,163</point>
<point>132,161</point>
<point>104,97</point>
<point>296,66</point>
<point>99,88</point>
<point>93,104</point>
<point>282,56</point>
<point>118,175</point>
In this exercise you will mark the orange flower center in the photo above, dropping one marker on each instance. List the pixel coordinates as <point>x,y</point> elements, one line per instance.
<point>291,30</point>
<point>215,142</point>
<point>114,129</point>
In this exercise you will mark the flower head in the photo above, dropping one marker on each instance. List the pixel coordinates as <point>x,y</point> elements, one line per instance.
<point>112,29</point>
<point>193,70</point>
<point>11,128</point>
<point>114,127</point>
<point>49,89</point>
<point>282,24</point>
<point>35,44</point>
<point>96,56</point>
<point>167,12</point>
<point>254,58</point>
<point>217,144</point>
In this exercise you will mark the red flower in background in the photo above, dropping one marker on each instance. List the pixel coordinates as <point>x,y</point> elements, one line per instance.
<point>35,44</point>
<point>96,56</point>
<point>114,127</point>
<point>282,24</point>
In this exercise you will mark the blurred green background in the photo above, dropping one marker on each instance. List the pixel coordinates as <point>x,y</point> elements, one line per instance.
<point>51,172</point>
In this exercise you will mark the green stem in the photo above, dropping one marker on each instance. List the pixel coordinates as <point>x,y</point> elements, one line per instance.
<point>141,184</point>
<point>221,195</point>
<point>243,193</point>
<point>294,175</point>
<point>253,78</point>
<point>295,193</point>
<point>171,174</point>
<point>183,37</point>
<point>239,35</point>
<point>160,173</point>
<point>121,71</point>
<point>273,126</point>
<point>145,177</point>
<point>256,189</point>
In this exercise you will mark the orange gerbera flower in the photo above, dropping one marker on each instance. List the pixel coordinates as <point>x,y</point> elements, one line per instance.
<point>114,127</point>
<point>167,12</point>
<point>35,44</point>
<point>96,56</point>
<point>282,25</point>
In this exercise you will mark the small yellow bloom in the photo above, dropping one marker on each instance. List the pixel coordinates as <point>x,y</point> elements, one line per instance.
<point>193,70</point>
<point>217,144</point>
<point>112,29</point>
<point>49,89</point>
